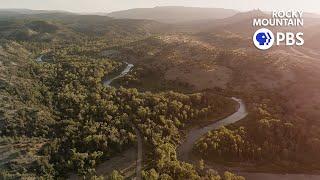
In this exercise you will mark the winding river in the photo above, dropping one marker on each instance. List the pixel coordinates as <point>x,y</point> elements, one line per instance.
<point>123,73</point>
<point>39,59</point>
<point>185,150</point>
<point>139,137</point>
<point>124,161</point>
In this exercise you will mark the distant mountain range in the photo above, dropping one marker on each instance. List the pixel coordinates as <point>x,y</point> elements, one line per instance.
<point>14,12</point>
<point>165,14</point>
<point>174,14</point>
<point>48,25</point>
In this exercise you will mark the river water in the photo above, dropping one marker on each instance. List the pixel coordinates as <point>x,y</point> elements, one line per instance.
<point>196,133</point>
<point>185,150</point>
<point>39,59</point>
<point>123,73</point>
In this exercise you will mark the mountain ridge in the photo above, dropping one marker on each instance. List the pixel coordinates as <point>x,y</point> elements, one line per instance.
<point>174,14</point>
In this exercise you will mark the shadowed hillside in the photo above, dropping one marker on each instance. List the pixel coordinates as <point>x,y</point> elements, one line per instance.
<point>59,26</point>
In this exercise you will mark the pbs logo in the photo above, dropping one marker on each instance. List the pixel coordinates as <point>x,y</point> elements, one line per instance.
<point>263,39</point>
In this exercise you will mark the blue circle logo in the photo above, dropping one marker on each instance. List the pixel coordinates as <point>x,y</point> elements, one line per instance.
<point>263,39</point>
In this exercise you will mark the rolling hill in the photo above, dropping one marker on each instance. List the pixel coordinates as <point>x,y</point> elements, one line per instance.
<point>174,14</point>
<point>48,26</point>
<point>59,104</point>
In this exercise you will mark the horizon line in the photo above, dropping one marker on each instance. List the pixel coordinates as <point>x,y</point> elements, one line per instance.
<point>107,12</point>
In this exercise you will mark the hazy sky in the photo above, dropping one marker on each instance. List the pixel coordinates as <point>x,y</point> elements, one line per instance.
<point>114,5</point>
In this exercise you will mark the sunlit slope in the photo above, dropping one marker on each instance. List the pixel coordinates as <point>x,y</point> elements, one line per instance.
<point>174,14</point>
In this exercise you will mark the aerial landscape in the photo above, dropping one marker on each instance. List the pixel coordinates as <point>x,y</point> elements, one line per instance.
<point>165,92</point>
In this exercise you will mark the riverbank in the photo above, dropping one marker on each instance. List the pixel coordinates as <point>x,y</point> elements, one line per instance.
<point>195,133</point>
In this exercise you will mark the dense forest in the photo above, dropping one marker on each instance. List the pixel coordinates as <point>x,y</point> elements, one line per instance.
<point>70,122</point>
<point>57,118</point>
<point>266,135</point>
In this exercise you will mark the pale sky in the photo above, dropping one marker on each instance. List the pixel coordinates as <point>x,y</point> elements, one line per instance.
<point>115,5</point>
